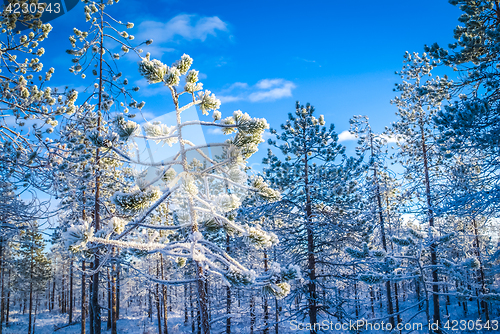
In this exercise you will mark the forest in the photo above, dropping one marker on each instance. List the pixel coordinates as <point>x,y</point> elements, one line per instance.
<point>111,222</point>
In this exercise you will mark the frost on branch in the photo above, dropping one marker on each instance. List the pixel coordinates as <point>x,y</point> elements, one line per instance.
<point>77,236</point>
<point>156,129</point>
<point>136,201</point>
<point>248,130</point>
<point>278,285</point>
<point>264,191</point>
<point>239,277</point>
<point>184,64</point>
<point>372,278</point>
<point>126,129</point>
<point>259,238</point>
<point>208,101</point>
<point>357,253</point>
<point>153,70</point>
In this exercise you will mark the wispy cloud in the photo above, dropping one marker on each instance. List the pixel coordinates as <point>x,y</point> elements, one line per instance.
<point>215,131</point>
<point>187,27</point>
<point>346,136</point>
<point>264,90</point>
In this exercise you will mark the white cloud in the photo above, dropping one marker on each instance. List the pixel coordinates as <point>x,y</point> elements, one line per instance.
<point>189,27</point>
<point>264,90</point>
<point>346,136</point>
<point>215,131</point>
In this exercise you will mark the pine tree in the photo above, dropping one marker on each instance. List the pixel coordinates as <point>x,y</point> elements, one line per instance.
<point>33,266</point>
<point>92,51</point>
<point>373,144</point>
<point>470,122</point>
<point>202,189</point>
<point>420,152</point>
<point>318,193</point>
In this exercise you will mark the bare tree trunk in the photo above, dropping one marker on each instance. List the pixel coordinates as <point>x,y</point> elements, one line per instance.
<point>71,291</point>
<point>266,306</point>
<point>91,306</point>
<point>185,306</point>
<point>165,310</point>
<point>396,297</point>
<point>356,298</point>
<point>82,331</point>
<point>108,322</point>
<point>118,267</point>
<point>8,303</point>
<point>192,307</point>
<point>52,302</point>
<point>114,297</point>
<point>31,291</point>
<point>202,299</point>
<point>157,299</point>
<point>63,291</point>
<point>228,293</point>
<point>276,326</point>
<point>2,293</point>
<point>252,313</point>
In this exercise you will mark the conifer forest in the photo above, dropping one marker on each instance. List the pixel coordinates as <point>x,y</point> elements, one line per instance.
<point>136,197</point>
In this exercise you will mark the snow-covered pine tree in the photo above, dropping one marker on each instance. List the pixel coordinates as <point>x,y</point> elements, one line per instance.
<point>201,190</point>
<point>421,98</point>
<point>33,267</point>
<point>95,52</point>
<point>470,121</point>
<point>318,197</point>
<point>372,144</point>
<point>29,106</point>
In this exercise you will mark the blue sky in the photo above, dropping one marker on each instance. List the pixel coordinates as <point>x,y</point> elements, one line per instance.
<point>262,56</point>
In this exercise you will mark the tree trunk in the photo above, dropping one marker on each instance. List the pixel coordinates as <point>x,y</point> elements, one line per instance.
<point>484,304</point>
<point>2,293</point>
<point>191,306</point>
<point>276,326</point>
<point>165,310</point>
<point>82,331</point>
<point>96,309</point>
<point>185,306</point>
<point>266,306</point>
<point>202,299</point>
<point>228,293</point>
<point>71,291</point>
<point>91,306</point>
<point>118,267</point>
<point>108,321</point>
<point>157,299</point>
<point>252,313</point>
<point>390,309</point>
<point>52,302</point>
<point>433,248</point>
<point>114,297</point>
<point>311,260</point>
<point>31,292</point>
<point>8,303</point>
<point>95,288</point>
<point>396,297</point>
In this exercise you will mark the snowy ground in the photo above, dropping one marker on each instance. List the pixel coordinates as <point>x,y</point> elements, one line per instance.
<point>136,322</point>
<point>47,322</point>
